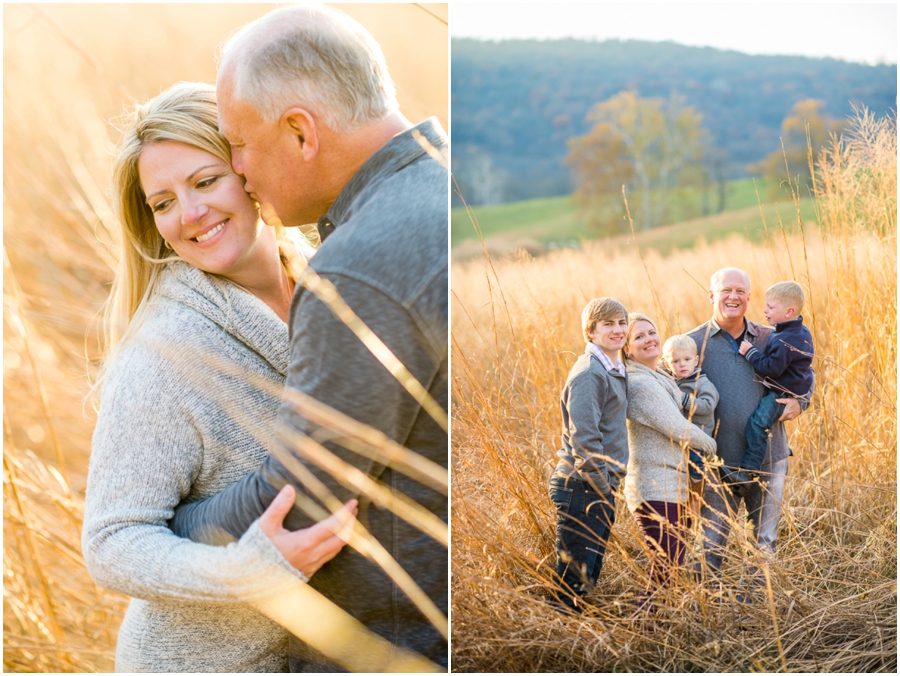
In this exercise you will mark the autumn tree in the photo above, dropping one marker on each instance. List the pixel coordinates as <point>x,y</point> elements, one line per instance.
<point>653,147</point>
<point>804,128</point>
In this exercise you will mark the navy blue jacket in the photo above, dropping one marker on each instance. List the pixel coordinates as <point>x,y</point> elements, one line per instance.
<point>786,359</point>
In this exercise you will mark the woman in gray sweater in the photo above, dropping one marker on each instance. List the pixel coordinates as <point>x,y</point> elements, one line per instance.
<point>656,483</point>
<point>197,356</point>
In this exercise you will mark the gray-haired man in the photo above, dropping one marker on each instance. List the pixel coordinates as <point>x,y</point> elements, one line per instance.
<point>740,391</point>
<point>307,103</point>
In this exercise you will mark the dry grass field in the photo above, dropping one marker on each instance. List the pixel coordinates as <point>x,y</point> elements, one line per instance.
<point>831,605</point>
<point>69,72</point>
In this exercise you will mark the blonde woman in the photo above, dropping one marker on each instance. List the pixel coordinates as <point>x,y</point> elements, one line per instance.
<point>656,482</point>
<point>198,352</point>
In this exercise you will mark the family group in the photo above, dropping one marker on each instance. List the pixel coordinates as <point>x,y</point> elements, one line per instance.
<point>692,427</point>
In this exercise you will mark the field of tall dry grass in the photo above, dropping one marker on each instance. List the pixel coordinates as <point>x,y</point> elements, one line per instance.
<point>70,71</point>
<point>831,605</point>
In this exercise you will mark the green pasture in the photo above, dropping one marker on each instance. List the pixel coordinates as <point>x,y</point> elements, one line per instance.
<point>559,219</point>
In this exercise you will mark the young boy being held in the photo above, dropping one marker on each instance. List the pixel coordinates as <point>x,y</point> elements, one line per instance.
<point>784,364</point>
<point>698,402</point>
<point>594,452</point>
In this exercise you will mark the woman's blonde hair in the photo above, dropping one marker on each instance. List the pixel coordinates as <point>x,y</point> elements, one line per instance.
<point>633,318</point>
<point>185,113</point>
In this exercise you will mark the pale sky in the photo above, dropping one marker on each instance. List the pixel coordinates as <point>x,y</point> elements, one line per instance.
<point>859,32</point>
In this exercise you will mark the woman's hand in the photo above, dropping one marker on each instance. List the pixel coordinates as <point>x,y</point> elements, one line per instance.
<point>306,549</point>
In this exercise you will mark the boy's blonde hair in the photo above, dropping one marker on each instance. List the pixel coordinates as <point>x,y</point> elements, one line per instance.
<point>598,310</point>
<point>789,294</point>
<point>678,342</point>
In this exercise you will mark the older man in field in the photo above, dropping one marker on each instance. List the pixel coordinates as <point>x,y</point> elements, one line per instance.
<point>740,391</point>
<point>309,108</point>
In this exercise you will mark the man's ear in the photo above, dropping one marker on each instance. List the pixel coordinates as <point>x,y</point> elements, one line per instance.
<point>300,124</point>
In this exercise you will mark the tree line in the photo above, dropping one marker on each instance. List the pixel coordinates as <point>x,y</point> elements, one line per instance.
<point>537,118</point>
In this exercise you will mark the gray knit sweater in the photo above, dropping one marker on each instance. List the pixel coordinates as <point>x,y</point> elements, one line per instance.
<point>699,399</point>
<point>657,463</point>
<point>594,439</point>
<point>187,409</point>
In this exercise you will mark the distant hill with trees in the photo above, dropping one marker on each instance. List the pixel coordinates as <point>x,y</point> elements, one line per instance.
<point>516,103</point>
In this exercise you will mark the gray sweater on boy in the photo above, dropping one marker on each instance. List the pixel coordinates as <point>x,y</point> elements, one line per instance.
<point>699,400</point>
<point>595,436</point>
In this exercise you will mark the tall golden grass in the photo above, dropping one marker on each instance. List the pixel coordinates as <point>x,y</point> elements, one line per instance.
<point>831,602</point>
<point>69,72</point>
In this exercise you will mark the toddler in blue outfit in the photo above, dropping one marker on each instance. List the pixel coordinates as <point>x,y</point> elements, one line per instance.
<point>784,364</point>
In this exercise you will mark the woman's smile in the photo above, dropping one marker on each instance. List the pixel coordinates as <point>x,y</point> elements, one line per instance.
<point>200,208</point>
<point>210,232</point>
<point>643,343</point>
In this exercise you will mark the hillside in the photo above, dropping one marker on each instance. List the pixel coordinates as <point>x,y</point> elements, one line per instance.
<point>549,223</point>
<point>516,102</point>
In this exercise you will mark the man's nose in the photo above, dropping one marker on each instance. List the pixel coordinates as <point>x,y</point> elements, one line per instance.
<point>237,162</point>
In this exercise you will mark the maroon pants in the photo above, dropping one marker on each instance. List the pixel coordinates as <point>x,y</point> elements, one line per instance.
<point>665,526</point>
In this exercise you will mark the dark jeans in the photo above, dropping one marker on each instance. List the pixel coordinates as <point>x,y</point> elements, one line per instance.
<point>584,519</point>
<point>759,430</point>
<point>696,465</point>
<point>665,526</point>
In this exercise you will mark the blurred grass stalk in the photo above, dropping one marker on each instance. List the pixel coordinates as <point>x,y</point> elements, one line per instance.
<point>830,600</point>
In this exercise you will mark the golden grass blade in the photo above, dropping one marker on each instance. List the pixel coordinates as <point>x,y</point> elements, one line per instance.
<point>51,614</point>
<point>102,253</point>
<point>325,292</point>
<point>656,302</point>
<point>359,483</point>
<point>373,443</point>
<point>430,13</point>
<point>95,63</point>
<point>16,317</point>
<point>360,540</point>
<point>429,148</point>
<point>325,627</point>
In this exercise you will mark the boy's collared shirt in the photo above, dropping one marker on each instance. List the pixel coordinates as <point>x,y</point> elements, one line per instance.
<point>605,360</point>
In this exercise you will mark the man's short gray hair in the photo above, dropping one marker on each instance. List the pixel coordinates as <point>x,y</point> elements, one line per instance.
<point>718,274</point>
<point>313,57</point>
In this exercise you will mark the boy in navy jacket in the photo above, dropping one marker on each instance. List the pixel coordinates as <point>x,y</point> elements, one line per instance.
<point>784,365</point>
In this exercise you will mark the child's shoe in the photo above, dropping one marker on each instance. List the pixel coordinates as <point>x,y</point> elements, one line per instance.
<point>738,480</point>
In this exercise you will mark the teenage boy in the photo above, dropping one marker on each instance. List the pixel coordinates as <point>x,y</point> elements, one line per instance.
<point>594,452</point>
<point>784,364</point>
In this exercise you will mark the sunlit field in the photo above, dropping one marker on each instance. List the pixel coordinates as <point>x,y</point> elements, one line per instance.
<point>831,603</point>
<point>70,73</point>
